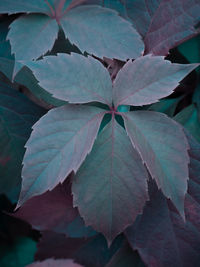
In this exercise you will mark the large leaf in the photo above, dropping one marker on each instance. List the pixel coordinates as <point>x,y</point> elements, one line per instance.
<point>148,79</point>
<point>17,115</point>
<point>55,210</point>
<point>38,32</point>
<point>36,6</point>
<point>100,31</point>
<point>164,24</point>
<point>58,145</point>
<point>83,79</point>
<point>111,181</point>
<point>163,146</point>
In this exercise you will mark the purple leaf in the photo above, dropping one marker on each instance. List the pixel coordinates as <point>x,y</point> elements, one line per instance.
<point>39,33</point>
<point>58,145</point>
<point>100,31</point>
<point>55,263</point>
<point>50,211</point>
<point>148,79</point>
<point>164,24</point>
<point>83,79</point>
<point>162,146</point>
<point>111,181</point>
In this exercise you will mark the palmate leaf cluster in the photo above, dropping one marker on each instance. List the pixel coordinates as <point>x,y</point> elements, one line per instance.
<point>106,169</point>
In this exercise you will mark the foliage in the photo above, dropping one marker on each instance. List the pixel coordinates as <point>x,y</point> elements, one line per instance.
<point>110,171</point>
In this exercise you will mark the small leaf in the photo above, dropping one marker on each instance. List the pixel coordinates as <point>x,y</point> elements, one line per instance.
<point>164,24</point>
<point>111,181</point>
<point>55,263</point>
<point>58,145</point>
<point>38,32</point>
<point>100,31</point>
<point>162,146</point>
<point>83,79</point>
<point>35,6</point>
<point>148,79</point>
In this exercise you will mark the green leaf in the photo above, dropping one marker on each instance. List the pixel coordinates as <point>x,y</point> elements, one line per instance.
<point>190,118</point>
<point>148,79</point>
<point>162,146</point>
<point>18,254</point>
<point>17,115</point>
<point>100,31</point>
<point>58,145</point>
<point>32,36</point>
<point>12,6</point>
<point>111,181</point>
<point>83,79</point>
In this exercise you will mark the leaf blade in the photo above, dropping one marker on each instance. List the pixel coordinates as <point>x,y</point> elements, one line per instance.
<point>112,183</point>
<point>52,152</point>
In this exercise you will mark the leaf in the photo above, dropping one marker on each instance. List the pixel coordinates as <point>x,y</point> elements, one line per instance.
<point>83,80</point>
<point>35,6</point>
<point>100,31</point>
<point>19,253</point>
<point>162,238</point>
<point>111,181</point>
<point>57,146</point>
<point>38,32</point>
<point>55,213</point>
<point>26,78</point>
<point>148,79</point>
<point>167,106</point>
<point>162,145</point>
<point>86,251</point>
<point>55,263</point>
<point>164,24</point>
<point>125,256</point>
<point>189,117</point>
<point>17,115</point>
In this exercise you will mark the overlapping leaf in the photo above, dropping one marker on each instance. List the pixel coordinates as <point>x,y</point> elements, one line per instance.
<point>148,79</point>
<point>111,181</point>
<point>164,24</point>
<point>58,145</point>
<point>83,79</point>
<point>17,115</point>
<point>55,263</point>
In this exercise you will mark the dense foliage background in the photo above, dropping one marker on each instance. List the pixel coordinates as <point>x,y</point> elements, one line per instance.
<point>152,227</point>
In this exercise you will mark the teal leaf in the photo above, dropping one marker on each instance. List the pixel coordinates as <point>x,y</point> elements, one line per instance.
<point>100,31</point>
<point>35,6</point>
<point>189,117</point>
<point>83,80</point>
<point>111,181</point>
<point>38,32</point>
<point>163,147</point>
<point>148,79</point>
<point>17,115</point>
<point>58,145</point>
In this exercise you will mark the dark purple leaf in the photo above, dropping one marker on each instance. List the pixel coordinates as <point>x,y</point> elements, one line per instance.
<point>164,24</point>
